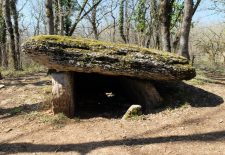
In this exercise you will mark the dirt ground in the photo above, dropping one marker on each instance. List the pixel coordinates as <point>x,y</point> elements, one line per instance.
<point>195,127</point>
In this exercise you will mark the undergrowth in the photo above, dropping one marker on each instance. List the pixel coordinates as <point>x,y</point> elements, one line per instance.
<point>58,121</point>
<point>34,68</point>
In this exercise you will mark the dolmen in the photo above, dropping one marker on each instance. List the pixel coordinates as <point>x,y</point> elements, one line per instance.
<point>134,67</point>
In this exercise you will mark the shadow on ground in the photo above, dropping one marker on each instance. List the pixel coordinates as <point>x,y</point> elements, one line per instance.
<point>25,108</point>
<point>29,79</point>
<point>84,148</point>
<point>24,83</point>
<point>176,94</point>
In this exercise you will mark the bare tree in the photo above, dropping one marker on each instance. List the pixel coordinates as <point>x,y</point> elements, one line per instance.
<point>99,20</point>
<point>112,8</point>
<point>211,43</point>
<point>218,6</point>
<point>38,16</point>
<point>82,13</point>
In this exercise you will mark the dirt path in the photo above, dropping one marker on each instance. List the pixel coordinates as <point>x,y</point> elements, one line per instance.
<point>197,127</point>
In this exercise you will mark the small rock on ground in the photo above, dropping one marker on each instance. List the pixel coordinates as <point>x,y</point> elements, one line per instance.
<point>133,111</point>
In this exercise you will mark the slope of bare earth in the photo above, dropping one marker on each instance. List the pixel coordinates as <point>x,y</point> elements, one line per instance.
<point>195,127</point>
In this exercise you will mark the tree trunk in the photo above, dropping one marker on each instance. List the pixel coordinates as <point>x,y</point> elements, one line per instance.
<point>4,56</point>
<point>6,13</point>
<point>189,11</point>
<point>61,17</point>
<point>155,23</point>
<point>127,24</point>
<point>16,31</point>
<point>185,29</point>
<point>37,27</point>
<point>114,26</point>
<point>93,21</point>
<point>67,15</point>
<point>121,20</point>
<point>165,17</point>
<point>3,52</point>
<point>57,16</point>
<point>175,44</point>
<point>63,95</point>
<point>50,16</point>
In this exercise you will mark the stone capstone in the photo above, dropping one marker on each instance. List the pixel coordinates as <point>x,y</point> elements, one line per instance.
<point>91,56</point>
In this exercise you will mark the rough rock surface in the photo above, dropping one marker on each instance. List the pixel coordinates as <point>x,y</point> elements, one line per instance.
<point>91,56</point>
<point>133,111</point>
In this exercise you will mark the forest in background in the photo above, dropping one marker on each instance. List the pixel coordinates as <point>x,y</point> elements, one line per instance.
<point>162,24</point>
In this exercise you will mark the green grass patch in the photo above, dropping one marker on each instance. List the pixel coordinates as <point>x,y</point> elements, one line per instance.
<point>57,121</point>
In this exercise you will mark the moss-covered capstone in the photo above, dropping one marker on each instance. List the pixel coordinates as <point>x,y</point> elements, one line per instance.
<point>91,56</point>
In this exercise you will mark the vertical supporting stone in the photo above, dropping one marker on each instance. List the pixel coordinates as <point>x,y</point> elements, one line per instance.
<point>143,93</point>
<point>63,99</point>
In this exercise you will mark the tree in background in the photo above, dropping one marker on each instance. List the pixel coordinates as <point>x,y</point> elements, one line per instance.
<point>165,21</point>
<point>9,26</point>
<point>211,43</point>
<point>121,20</point>
<point>218,6</point>
<point>141,22</point>
<point>99,18</point>
<point>39,19</point>
<point>50,16</point>
<point>9,21</point>
<point>3,52</point>
<point>15,16</point>
<point>189,11</point>
<point>82,13</point>
<point>141,14</point>
<point>154,26</point>
<point>176,21</point>
<point>60,14</point>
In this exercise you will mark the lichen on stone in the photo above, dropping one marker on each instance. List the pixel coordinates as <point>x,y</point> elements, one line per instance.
<point>86,55</point>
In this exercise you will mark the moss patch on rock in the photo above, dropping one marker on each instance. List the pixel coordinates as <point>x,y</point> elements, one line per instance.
<point>92,56</point>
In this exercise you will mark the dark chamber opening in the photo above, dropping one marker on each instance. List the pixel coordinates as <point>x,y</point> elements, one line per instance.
<point>100,96</point>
